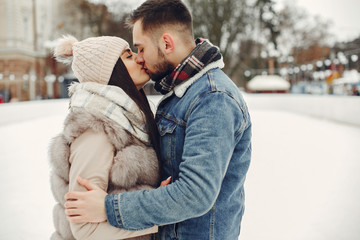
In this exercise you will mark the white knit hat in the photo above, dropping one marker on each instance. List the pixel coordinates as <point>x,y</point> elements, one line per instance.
<point>92,59</point>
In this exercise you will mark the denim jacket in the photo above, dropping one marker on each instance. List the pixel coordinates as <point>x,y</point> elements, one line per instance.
<point>205,144</point>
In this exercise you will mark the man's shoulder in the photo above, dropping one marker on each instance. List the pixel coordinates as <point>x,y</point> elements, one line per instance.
<point>214,80</point>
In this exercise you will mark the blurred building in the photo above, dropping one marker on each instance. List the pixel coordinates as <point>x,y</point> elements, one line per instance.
<point>27,69</point>
<point>28,30</point>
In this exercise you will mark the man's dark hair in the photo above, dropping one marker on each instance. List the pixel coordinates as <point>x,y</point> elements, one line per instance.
<point>155,14</point>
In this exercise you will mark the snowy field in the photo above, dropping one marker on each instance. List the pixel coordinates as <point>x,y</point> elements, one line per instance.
<point>303,182</point>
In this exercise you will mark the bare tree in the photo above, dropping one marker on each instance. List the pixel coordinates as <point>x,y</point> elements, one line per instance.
<point>225,24</point>
<point>300,31</point>
<point>250,33</point>
<point>83,19</point>
<point>239,28</point>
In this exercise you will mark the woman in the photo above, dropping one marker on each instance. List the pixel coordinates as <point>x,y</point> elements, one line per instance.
<point>109,135</point>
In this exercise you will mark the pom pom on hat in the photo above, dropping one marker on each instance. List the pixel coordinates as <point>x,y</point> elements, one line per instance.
<point>64,49</point>
<point>92,59</point>
<point>65,46</point>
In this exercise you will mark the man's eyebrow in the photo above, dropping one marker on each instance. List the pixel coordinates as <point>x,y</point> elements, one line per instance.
<point>137,45</point>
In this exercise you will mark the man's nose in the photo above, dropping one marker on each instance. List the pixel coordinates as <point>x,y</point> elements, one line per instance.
<point>139,59</point>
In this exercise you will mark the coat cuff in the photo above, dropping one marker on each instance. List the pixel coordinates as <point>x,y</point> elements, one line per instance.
<point>112,205</point>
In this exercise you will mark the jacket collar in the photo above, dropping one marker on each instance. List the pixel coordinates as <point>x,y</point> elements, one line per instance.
<point>181,89</point>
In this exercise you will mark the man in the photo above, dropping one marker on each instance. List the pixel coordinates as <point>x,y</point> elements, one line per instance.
<point>205,141</point>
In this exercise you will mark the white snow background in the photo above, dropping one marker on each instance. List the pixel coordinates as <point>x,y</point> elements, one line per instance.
<point>303,182</point>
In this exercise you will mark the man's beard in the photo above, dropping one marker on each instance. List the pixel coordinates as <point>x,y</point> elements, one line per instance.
<point>162,69</point>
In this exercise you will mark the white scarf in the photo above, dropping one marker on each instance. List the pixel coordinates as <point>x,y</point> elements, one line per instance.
<point>113,103</point>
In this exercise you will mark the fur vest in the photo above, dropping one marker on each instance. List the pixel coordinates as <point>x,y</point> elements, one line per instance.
<point>135,165</point>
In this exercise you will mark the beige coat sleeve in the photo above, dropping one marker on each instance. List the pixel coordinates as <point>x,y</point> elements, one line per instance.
<point>91,157</point>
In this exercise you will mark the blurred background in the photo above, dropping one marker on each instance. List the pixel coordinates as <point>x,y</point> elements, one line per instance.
<point>278,46</point>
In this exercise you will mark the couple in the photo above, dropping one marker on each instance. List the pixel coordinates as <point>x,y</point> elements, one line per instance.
<point>198,144</point>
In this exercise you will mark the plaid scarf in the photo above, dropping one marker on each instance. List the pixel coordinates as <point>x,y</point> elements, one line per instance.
<point>203,54</point>
<point>113,103</point>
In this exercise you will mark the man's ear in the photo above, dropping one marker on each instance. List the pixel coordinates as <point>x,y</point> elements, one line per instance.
<point>168,42</point>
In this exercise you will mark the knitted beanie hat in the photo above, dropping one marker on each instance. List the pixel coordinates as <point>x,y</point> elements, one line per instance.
<point>92,59</point>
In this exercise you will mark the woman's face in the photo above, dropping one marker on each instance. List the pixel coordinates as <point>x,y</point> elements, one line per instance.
<point>136,71</point>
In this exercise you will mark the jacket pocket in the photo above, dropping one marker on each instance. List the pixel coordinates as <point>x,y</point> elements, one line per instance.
<point>167,131</point>
<point>165,126</point>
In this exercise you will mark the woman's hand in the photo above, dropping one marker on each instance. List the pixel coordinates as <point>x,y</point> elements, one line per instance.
<point>86,206</point>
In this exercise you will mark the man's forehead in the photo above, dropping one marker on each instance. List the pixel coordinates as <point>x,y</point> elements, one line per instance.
<point>138,35</point>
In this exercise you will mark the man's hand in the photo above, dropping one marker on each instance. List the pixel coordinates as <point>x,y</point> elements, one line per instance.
<point>86,206</point>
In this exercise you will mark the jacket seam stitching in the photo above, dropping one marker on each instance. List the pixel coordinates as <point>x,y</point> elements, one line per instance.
<point>212,223</point>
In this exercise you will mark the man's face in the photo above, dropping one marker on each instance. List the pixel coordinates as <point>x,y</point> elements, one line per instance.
<point>150,54</point>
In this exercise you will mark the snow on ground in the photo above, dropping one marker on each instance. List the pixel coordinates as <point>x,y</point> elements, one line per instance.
<point>303,182</point>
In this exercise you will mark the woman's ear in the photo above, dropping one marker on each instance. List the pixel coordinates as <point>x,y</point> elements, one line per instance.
<point>168,42</point>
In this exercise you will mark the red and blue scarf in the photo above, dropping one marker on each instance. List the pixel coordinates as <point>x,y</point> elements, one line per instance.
<point>203,54</point>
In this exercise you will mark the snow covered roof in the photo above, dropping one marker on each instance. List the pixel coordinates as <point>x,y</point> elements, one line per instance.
<point>268,83</point>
